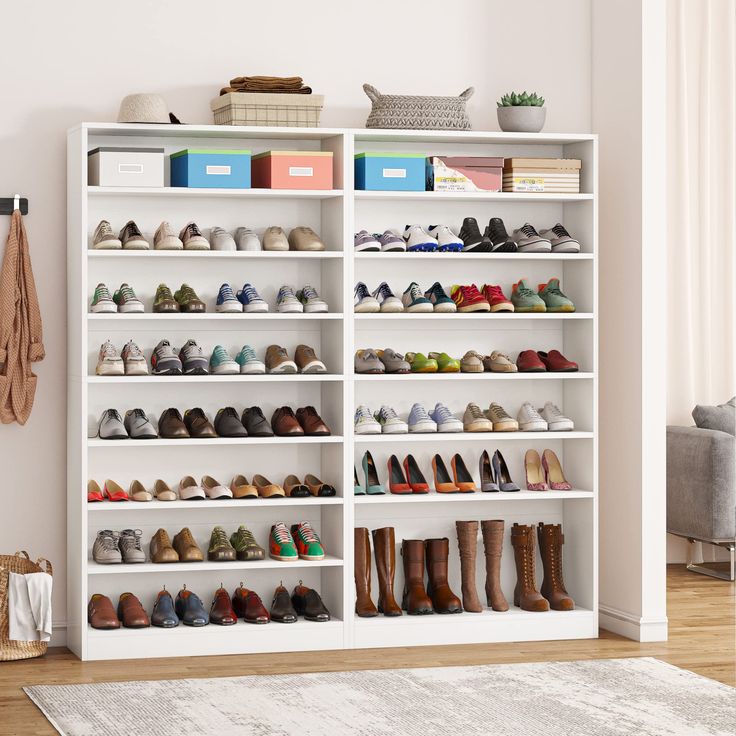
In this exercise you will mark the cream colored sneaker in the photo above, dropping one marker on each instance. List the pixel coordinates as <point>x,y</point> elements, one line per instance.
<point>501,419</point>
<point>498,362</point>
<point>471,362</point>
<point>166,238</point>
<point>275,239</point>
<point>304,238</point>
<point>474,421</point>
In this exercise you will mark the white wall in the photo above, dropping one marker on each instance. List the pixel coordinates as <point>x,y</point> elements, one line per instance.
<point>72,61</point>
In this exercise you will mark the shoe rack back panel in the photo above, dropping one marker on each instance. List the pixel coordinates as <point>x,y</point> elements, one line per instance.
<point>335,215</point>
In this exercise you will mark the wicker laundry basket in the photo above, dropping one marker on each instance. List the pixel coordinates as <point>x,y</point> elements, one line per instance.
<point>270,109</point>
<point>22,564</point>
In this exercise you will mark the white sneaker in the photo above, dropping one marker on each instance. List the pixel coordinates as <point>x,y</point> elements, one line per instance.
<point>446,420</point>
<point>556,420</point>
<point>109,363</point>
<point>311,300</point>
<point>446,239</point>
<point>418,239</point>
<point>133,359</point>
<point>528,240</point>
<point>192,238</point>
<point>363,301</point>
<point>502,421</point>
<point>246,239</point>
<point>420,421</point>
<point>221,239</point>
<point>274,238</point>
<point>104,238</point>
<point>365,422</point>
<point>388,301</point>
<point>530,420</point>
<point>390,421</point>
<point>287,301</point>
<point>561,240</point>
<point>165,238</point>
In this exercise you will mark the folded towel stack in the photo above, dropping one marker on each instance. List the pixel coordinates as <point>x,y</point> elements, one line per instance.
<point>283,85</point>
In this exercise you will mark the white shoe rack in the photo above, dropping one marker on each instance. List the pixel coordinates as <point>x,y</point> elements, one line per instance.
<point>336,215</point>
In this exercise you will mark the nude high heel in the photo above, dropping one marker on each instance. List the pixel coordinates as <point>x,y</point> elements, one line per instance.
<point>533,469</point>
<point>553,472</point>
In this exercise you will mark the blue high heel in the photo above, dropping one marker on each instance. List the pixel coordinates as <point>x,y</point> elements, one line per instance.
<point>373,485</point>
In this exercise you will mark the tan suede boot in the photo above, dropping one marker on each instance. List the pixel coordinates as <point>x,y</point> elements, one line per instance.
<point>526,595</point>
<point>467,541</point>
<point>493,544</point>
<point>551,540</point>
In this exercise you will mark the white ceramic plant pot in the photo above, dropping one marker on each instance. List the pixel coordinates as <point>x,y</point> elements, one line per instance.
<point>521,119</point>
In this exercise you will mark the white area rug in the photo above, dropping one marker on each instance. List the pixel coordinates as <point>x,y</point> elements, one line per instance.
<point>642,697</point>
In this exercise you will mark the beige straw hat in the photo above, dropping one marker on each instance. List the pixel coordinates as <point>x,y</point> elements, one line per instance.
<point>144,108</point>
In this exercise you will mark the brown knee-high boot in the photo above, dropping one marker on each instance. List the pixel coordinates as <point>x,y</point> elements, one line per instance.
<point>551,539</point>
<point>384,546</point>
<point>467,542</point>
<point>526,595</point>
<point>493,546</point>
<point>363,603</point>
<point>437,552</point>
<point>415,600</point>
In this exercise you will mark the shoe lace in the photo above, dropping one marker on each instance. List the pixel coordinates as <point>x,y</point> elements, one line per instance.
<point>108,540</point>
<point>363,413</point>
<point>530,411</point>
<point>473,354</point>
<point>131,539</point>
<point>560,231</point>
<point>286,292</point>
<point>128,293</point>
<point>553,409</point>
<point>497,229</point>
<point>554,289</point>
<point>471,291</point>
<point>498,411</point>
<point>495,291</point>
<point>105,228</point>
<point>528,230</point>
<point>281,534</point>
<point>247,353</point>
<point>219,353</point>
<point>226,293</point>
<point>383,290</point>
<point>228,411</point>
<point>164,348</point>
<point>246,536</point>
<point>187,292</point>
<point>475,411</point>
<point>361,290</point>
<point>132,228</point>
<point>309,292</point>
<point>139,414</point>
<point>419,411</point>
<point>436,290</point>
<point>414,291</point>
<point>163,292</point>
<point>191,348</point>
<point>249,292</point>
<point>219,537</point>
<point>306,533</point>
<point>441,412</point>
<point>523,290</point>
<point>108,350</point>
<point>102,292</point>
<point>132,350</point>
<point>192,229</point>
<point>386,413</point>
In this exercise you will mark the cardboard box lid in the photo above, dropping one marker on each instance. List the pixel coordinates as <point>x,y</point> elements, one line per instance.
<point>542,163</point>
<point>393,154</point>
<point>293,153</point>
<point>475,162</point>
<point>188,151</point>
<point>116,149</point>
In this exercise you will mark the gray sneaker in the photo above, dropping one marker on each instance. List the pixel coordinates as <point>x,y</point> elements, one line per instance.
<point>137,425</point>
<point>390,241</point>
<point>193,361</point>
<point>246,239</point>
<point>164,361</point>
<point>367,361</point>
<point>221,239</point>
<point>129,544</point>
<point>528,240</point>
<point>105,550</point>
<point>394,362</point>
<point>111,426</point>
<point>104,238</point>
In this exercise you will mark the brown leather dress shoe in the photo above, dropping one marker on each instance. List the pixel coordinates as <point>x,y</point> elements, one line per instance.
<point>285,424</point>
<point>312,422</point>
<point>198,425</point>
<point>171,426</point>
<point>248,605</point>
<point>101,614</point>
<point>221,612</point>
<point>186,547</point>
<point>131,613</point>
<point>161,548</point>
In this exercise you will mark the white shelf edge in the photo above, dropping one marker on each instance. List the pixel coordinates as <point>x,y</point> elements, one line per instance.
<point>486,376</point>
<point>217,254</point>
<point>177,318</point>
<point>472,316</point>
<point>488,437</point>
<point>214,193</point>
<point>486,615</point>
<point>108,507</point>
<point>93,442</point>
<point>526,197</point>
<point>210,379</point>
<point>490,257</point>
<point>478,497</point>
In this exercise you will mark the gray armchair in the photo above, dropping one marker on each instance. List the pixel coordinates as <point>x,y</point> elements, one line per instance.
<point>701,490</point>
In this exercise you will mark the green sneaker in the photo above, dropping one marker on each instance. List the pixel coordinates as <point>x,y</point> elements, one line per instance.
<point>525,300</point>
<point>126,299</point>
<point>281,544</point>
<point>188,300</point>
<point>445,363</point>
<point>307,541</point>
<point>102,301</point>
<point>245,545</point>
<point>555,300</point>
<point>420,363</point>
<point>164,300</point>
<point>222,363</point>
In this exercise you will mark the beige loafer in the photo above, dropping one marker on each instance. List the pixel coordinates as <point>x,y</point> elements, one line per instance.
<point>266,489</point>
<point>162,492</point>
<point>138,492</point>
<point>242,489</point>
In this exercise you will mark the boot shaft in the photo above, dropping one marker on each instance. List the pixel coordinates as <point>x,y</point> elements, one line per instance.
<point>412,554</point>
<point>362,557</point>
<point>467,539</point>
<point>437,552</point>
<point>522,540</point>
<point>384,545</point>
<point>493,533</point>
<point>551,539</point>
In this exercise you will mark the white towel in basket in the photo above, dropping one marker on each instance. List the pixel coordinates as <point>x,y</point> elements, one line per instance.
<point>29,606</point>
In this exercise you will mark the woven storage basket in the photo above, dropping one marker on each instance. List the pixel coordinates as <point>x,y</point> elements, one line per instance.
<point>417,112</point>
<point>270,109</point>
<point>19,563</point>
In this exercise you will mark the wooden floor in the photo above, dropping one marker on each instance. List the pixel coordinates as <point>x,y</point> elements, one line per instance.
<point>702,629</point>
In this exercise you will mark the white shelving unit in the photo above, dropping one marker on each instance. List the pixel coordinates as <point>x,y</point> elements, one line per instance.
<point>336,215</point>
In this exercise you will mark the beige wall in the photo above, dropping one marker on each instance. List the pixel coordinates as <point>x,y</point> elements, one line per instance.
<point>68,62</point>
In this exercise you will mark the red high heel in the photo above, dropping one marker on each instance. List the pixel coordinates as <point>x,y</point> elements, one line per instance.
<point>396,481</point>
<point>414,475</point>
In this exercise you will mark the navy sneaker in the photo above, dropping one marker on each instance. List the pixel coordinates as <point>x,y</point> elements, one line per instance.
<point>227,301</point>
<point>250,299</point>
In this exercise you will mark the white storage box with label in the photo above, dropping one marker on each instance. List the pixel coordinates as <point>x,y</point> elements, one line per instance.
<point>551,175</point>
<point>125,167</point>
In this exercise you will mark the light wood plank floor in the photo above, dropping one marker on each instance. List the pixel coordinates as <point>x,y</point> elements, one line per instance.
<point>702,626</point>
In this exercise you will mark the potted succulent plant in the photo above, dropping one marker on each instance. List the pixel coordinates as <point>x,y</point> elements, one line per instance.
<point>521,113</point>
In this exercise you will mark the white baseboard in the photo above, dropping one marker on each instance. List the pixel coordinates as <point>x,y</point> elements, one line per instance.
<point>632,626</point>
<point>58,634</point>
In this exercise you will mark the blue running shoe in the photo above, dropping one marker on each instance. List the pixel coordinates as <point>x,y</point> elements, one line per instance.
<point>250,299</point>
<point>227,301</point>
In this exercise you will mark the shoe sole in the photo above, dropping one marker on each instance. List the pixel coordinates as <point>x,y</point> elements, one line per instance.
<point>197,246</point>
<point>167,372</point>
<point>388,429</point>
<point>420,308</point>
<point>316,366</point>
<point>451,248</point>
<point>538,246</point>
<point>507,426</point>
<point>567,246</point>
<point>226,369</point>
<point>369,429</point>
<point>532,426</point>
<point>136,370</point>
<point>129,308</point>
<point>504,248</point>
<point>290,309</point>
<point>480,247</point>
<point>424,428</point>
<point>393,248</point>
<point>315,308</point>
<point>451,429</point>
<point>560,426</point>
<point>281,558</point>
<point>197,370</point>
<point>527,310</point>
<point>475,308</point>
<point>255,307</point>
<point>136,245</point>
<point>471,368</point>
<point>367,308</point>
<point>391,308</point>
<point>422,248</point>
<point>286,367</point>
<point>311,557</point>
<point>503,307</point>
<point>110,370</point>
<point>478,427</point>
<point>108,245</point>
<point>111,308</point>
<point>446,308</point>
<point>373,247</point>
<point>229,307</point>
<point>506,369</point>
<point>563,308</point>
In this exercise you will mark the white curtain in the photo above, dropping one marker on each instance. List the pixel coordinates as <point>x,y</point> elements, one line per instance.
<point>701,192</point>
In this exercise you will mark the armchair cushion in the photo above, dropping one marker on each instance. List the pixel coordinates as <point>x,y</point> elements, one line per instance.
<point>701,483</point>
<point>721,417</point>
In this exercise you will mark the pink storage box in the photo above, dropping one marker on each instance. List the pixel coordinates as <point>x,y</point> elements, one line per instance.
<point>292,170</point>
<point>465,173</point>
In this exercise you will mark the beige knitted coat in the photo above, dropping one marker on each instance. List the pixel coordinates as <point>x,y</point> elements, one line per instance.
<point>21,332</point>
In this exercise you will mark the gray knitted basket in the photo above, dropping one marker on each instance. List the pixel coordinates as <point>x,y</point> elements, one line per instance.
<point>417,112</point>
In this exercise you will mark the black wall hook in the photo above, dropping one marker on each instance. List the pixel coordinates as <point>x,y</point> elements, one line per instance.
<point>7,205</point>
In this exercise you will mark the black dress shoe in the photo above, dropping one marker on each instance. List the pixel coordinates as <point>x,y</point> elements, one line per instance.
<point>255,423</point>
<point>228,424</point>
<point>308,604</point>
<point>163,613</point>
<point>281,609</point>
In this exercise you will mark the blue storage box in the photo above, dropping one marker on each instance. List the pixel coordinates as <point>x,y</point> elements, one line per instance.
<point>210,169</point>
<point>390,172</point>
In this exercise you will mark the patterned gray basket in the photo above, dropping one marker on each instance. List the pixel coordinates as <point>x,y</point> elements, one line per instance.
<point>417,112</point>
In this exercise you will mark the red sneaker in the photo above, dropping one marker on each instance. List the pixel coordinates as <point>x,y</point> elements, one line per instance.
<point>529,362</point>
<point>497,299</point>
<point>469,299</point>
<point>555,361</point>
